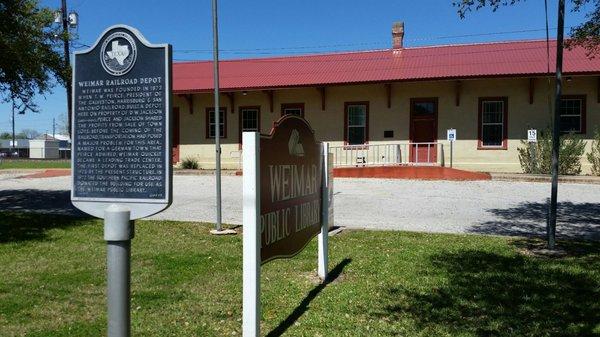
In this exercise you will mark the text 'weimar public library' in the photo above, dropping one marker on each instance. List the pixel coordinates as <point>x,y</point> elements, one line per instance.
<point>392,106</point>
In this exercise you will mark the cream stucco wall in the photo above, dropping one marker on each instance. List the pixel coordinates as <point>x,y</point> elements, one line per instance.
<point>329,124</point>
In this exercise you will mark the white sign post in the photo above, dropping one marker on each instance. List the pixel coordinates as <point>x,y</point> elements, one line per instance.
<point>451,135</point>
<point>323,236</point>
<point>251,221</point>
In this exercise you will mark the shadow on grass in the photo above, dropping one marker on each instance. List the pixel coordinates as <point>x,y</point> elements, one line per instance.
<point>489,294</point>
<point>575,220</point>
<point>40,201</point>
<point>25,226</point>
<point>301,309</point>
<point>565,248</point>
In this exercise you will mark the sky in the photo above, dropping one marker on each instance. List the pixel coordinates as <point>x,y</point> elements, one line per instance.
<point>264,28</point>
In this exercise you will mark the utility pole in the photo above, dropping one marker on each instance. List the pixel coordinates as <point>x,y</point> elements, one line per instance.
<point>551,226</point>
<point>13,127</point>
<point>54,128</point>
<point>218,225</point>
<point>66,35</point>
<point>217,112</point>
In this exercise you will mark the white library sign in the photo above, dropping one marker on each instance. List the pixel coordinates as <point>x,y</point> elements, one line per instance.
<point>286,197</point>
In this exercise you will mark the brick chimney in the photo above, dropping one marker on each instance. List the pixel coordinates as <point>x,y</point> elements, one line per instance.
<point>397,35</point>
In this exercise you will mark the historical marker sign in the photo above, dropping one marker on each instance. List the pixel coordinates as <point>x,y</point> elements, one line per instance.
<point>290,193</point>
<point>121,136</point>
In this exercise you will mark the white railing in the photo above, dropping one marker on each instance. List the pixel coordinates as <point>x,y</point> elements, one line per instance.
<point>422,154</point>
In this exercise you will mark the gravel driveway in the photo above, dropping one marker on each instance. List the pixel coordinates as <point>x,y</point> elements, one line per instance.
<point>490,207</point>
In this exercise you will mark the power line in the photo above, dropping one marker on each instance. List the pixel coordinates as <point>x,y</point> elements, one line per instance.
<point>242,50</point>
<point>307,48</point>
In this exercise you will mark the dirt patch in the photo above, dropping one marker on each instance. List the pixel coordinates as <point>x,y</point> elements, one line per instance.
<point>49,174</point>
<point>539,248</point>
<point>313,278</point>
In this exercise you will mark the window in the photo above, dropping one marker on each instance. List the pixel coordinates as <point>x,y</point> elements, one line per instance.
<point>249,119</point>
<point>424,108</point>
<point>357,123</point>
<point>492,122</point>
<point>572,114</point>
<point>292,109</point>
<point>210,122</point>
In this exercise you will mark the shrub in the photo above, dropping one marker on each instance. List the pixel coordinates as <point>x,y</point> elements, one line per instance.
<point>189,163</point>
<point>539,161</point>
<point>594,156</point>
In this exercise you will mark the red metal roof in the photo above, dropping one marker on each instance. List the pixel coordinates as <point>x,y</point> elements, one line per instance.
<point>500,59</point>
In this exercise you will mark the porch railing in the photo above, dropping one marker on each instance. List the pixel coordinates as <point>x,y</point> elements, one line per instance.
<point>418,154</point>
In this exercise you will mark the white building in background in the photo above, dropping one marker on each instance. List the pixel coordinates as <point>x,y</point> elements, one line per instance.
<point>44,149</point>
<point>51,147</point>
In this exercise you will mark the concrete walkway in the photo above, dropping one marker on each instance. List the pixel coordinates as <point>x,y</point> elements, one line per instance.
<point>489,207</point>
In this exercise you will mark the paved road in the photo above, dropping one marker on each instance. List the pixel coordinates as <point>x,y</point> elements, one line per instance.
<point>491,207</point>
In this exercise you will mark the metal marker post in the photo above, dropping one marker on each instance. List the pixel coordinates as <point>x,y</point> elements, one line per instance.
<point>532,154</point>
<point>323,236</point>
<point>118,232</point>
<point>251,222</point>
<point>451,153</point>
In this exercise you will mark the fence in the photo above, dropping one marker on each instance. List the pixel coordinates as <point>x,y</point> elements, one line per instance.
<point>415,154</point>
<point>418,154</point>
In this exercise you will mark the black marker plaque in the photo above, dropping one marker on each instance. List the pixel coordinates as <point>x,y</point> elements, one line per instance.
<point>121,105</point>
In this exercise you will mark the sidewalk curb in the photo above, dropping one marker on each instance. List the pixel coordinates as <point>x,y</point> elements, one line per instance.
<point>545,178</point>
<point>183,172</point>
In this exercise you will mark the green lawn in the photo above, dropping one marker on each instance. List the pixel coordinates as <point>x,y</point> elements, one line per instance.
<point>188,283</point>
<point>33,164</point>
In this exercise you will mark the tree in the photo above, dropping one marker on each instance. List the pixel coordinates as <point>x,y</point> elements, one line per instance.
<point>586,34</point>
<point>62,124</point>
<point>8,135</point>
<point>30,60</point>
<point>30,133</point>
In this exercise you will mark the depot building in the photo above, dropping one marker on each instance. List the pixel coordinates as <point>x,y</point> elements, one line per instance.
<point>392,106</point>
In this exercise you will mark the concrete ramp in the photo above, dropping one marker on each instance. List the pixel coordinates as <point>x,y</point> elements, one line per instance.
<point>409,172</point>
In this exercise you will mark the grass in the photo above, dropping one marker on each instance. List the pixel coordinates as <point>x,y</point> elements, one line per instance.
<point>188,283</point>
<point>33,164</point>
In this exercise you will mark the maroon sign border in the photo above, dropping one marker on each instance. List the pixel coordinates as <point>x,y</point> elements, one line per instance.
<point>318,145</point>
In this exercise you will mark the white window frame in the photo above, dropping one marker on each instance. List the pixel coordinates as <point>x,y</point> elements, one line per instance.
<point>257,111</point>
<point>364,125</point>
<point>483,123</point>
<point>222,121</point>
<point>580,115</point>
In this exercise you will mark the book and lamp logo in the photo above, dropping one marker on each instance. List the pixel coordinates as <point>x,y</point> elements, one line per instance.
<point>294,145</point>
